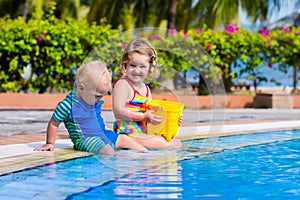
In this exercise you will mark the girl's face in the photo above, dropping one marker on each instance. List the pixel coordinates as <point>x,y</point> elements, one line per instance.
<point>137,68</point>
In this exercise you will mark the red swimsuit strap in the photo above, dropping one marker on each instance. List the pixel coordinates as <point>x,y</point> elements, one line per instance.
<point>133,88</point>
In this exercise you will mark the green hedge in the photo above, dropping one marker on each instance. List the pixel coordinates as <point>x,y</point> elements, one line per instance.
<point>54,49</point>
<point>249,51</point>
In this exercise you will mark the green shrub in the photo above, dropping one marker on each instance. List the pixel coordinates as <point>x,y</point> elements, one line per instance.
<point>53,49</point>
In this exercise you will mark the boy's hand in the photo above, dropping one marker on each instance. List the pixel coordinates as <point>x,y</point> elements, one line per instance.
<point>46,147</point>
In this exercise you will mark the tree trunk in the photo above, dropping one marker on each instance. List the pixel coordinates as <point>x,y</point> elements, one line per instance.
<point>25,9</point>
<point>255,85</point>
<point>294,78</point>
<point>171,14</point>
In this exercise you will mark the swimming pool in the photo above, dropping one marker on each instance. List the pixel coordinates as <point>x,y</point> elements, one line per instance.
<point>250,166</point>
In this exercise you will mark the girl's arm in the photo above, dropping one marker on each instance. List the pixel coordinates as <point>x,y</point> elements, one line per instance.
<point>149,94</point>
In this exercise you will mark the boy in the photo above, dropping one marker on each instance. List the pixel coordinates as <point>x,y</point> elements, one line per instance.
<point>80,111</point>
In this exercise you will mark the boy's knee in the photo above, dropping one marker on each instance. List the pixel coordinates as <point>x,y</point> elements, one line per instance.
<point>107,150</point>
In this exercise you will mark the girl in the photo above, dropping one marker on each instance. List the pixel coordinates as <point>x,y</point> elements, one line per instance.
<point>130,93</point>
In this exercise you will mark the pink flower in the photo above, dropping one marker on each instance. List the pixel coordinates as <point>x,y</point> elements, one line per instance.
<point>231,29</point>
<point>40,39</point>
<point>270,65</point>
<point>185,35</point>
<point>156,37</point>
<point>123,46</point>
<point>172,31</point>
<point>198,30</point>
<point>208,46</point>
<point>44,32</point>
<point>287,30</point>
<point>264,32</point>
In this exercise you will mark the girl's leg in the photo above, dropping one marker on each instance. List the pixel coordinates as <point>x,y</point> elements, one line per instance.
<point>125,141</point>
<point>175,144</point>
<point>154,141</point>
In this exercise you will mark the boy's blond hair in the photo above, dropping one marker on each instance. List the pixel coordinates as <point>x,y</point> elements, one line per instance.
<point>143,47</point>
<point>89,73</point>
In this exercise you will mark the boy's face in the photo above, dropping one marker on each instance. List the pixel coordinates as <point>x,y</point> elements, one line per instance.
<point>94,93</point>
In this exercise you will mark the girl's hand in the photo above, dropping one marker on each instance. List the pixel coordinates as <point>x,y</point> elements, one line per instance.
<point>152,118</point>
<point>180,120</point>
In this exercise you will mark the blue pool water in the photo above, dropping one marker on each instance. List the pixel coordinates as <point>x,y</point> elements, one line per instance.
<point>250,166</point>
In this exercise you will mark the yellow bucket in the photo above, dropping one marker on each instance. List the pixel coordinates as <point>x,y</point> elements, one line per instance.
<point>170,112</point>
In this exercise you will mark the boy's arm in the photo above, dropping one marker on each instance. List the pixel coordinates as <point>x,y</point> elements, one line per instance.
<point>51,136</point>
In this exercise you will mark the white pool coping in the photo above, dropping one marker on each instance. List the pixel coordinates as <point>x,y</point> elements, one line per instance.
<point>184,133</point>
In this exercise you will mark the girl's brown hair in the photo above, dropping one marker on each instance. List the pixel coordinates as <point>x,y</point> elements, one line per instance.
<point>140,46</point>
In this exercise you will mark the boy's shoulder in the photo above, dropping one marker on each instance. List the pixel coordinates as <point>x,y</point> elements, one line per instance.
<point>64,107</point>
<point>68,100</point>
